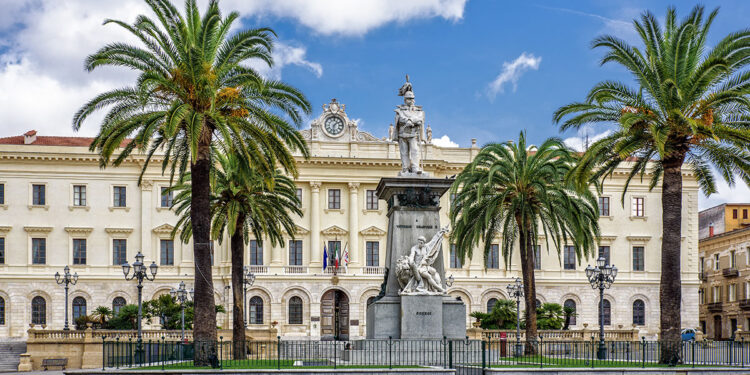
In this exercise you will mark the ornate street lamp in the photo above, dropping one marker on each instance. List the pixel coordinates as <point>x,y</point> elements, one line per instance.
<point>140,272</point>
<point>248,279</point>
<point>515,290</point>
<point>182,295</point>
<point>66,278</point>
<point>602,276</point>
<point>449,281</point>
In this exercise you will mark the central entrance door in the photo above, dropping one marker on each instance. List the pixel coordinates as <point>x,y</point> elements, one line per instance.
<point>334,315</point>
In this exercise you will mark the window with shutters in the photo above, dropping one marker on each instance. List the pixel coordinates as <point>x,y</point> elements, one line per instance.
<point>2,250</point>
<point>119,195</point>
<point>493,258</point>
<point>603,206</point>
<point>372,200</point>
<point>569,257</point>
<point>167,197</point>
<point>38,250</point>
<point>39,195</point>
<point>606,312</point>
<point>537,257</point>
<point>604,253</point>
<point>295,252</point>
<point>638,207</point>
<point>79,308</point>
<point>79,195</point>
<point>167,252</point>
<point>39,310</point>
<point>334,199</point>
<point>299,197</point>
<point>455,260</point>
<point>639,313</point>
<point>119,251</point>
<point>638,262</point>
<point>569,303</point>
<point>256,310</point>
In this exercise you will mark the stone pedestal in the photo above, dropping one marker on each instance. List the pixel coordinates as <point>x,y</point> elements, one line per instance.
<point>413,211</point>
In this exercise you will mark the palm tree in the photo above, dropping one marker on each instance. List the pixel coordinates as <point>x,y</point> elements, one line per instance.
<point>521,193</point>
<point>243,200</point>
<point>193,84</point>
<point>101,314</point>
<point>689,109</point>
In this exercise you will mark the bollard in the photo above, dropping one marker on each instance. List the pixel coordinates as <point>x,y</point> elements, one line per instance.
<point>104,351</point>
<point>484,357</point>
<point>162,353</point>
<point>278,352</point>
<point>450,354</point>
<point>390,346</point>
<point>643,352</point>
<point>541,357</point>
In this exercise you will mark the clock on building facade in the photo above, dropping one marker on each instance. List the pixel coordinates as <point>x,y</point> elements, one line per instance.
<point>333,125</point>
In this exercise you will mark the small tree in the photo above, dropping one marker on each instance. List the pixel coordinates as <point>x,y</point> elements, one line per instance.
<point>549,316</point>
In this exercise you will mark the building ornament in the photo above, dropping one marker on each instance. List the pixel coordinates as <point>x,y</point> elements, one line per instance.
<point>409,131</point>
<point>118,230</point>
<point>372,231</point>
<point>298,230</point>
<point>315,186</point>
<point>79,230</point>
<point>5,228</point>
<point>334,230</point>
<point>147,185</point>
<point>165,228</point>
<point>353,186</point>
<point>34,229</point>
<point>641,238</point>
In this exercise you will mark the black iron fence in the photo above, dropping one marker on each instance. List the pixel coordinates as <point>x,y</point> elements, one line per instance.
<point>446,353</point>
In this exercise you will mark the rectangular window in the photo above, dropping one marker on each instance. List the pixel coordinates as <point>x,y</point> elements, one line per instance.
<point>716,297</point>
<point>493,260</point>
<point>702,299</point>
<point>118,199</point>
<point>603,206</point>
<point>372,200</point>
<point>2,193</point>
<point>167,253</point>
<point>455,260</point>
<point>79,195</point>
<point>638,264</point>
<point>2,250</point>
<point>334,199</point>
<point>334,247</point>
<point>604,253</point>
<point>372,249</point>
<point>569,258</point>
<point>39,195</point>
<point>256,253</point>
<point>79,251</point>
<point>295,252</point>
<point>38,250</point>
<point>732,258</point>
<point>166,197</point>
<point>732,292</point>
<point>700,265</point>
<point>119,251</point>
<point>299,196</point>
<point>734,213</point>
<point>538,257</point>
<point>744,213</point>
<point>638,208</point>
<point>747,291</point>
<point>716,262</point>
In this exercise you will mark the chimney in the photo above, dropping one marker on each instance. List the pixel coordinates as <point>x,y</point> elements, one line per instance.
<point>711,230</point>
<point>29,137</point>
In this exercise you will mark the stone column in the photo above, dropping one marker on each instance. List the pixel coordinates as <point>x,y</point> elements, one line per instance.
<point>315,261</point>
<point>353,224</point>
<point>146,211</point>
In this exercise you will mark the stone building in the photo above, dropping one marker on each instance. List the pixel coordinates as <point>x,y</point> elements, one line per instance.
<point>58,207</point>
<point>724,271</point>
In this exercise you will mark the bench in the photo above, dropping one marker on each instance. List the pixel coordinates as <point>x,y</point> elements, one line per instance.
<point>55,362</point>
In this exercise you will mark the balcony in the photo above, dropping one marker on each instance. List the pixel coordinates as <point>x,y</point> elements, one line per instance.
<point>730,272</point>
<point>258,269</point>
<point>334,271</point>
<point>373,270</point>
<point>745,304</point>
<point>295,269</point>
<point>715,307</point>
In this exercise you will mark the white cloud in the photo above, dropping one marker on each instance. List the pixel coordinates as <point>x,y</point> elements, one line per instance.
<point>740,193</point>
<point>346,17</point>
<point>444,141</point>
<point>42,80</point>
<point>512,71</point>
<point>578,143</point>
<point>612,26</point>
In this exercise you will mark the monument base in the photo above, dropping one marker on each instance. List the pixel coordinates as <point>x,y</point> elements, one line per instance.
<point>416,317</point>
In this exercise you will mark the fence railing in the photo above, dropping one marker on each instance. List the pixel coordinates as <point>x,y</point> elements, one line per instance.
<point>446,353</point>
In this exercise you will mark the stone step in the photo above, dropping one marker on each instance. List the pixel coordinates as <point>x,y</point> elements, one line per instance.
<point>10,352</point>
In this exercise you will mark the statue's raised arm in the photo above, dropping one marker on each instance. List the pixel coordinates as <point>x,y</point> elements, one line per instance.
<point>434,245</point>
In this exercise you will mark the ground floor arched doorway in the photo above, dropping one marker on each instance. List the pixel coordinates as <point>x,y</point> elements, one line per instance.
<point>334,315</point>
<point>717,327</point>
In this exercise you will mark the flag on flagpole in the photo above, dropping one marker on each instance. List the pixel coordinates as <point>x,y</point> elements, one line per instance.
<point>325,257</point>
<point>346,257</point>
<point>336,260</point>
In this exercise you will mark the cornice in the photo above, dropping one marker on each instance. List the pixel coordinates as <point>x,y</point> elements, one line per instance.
<point>5,228</point>
<point>33,229</point>
<point>373,231</point>
<point>298,230</point>
<point>641,238</point>
<point>163,229</point>
<point>118,230</point>
<point>79,230</point>
<point>334,230</point>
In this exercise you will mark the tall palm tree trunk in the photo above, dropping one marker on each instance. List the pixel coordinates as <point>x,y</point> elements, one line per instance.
<point>670,293</point>
<point>238,312</point>
<point>204,328</point>
<point>529,289</point>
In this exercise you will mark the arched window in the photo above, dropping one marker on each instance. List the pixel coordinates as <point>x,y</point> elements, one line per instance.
<point>491,304</point>
<point>256,310</point>
<point>117,303</point>
<point>607,312</point>
<point>639,313</point>
<point>571,304</point>
<point>2,311</point>
<point>39,310</point>
<point>295,310</point>
<point>79,307</point>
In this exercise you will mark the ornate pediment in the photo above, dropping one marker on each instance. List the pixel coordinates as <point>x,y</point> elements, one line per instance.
<point>299,230</point>
<point>334,230</point>
<point>5,228</point>
<point>333,125</point>
<point>165,228</point>
<point>372,231</point>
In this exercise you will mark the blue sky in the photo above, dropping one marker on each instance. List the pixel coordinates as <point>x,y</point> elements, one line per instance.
<point>537,53</point>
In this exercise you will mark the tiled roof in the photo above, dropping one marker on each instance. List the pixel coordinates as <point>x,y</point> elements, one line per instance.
<point>53,141</point>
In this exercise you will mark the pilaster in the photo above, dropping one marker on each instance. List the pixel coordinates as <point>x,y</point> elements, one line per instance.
<point>315,261</point>
<point>353,224</point>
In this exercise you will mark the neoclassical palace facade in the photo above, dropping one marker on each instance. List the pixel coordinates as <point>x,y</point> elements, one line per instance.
<point>58,208</point>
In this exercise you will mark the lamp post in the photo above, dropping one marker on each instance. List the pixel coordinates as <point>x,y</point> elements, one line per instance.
<point>602,276</point>
<point>248,279</point>
<point>181,295</point>
<point>66,278</point>
<point>515,290</point>
<point>139,273</point>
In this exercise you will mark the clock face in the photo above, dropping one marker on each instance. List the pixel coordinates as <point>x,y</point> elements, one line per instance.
<point>334,125</point>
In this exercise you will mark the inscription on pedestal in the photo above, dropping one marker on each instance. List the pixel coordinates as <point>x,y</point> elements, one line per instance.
<point>421,317</point>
